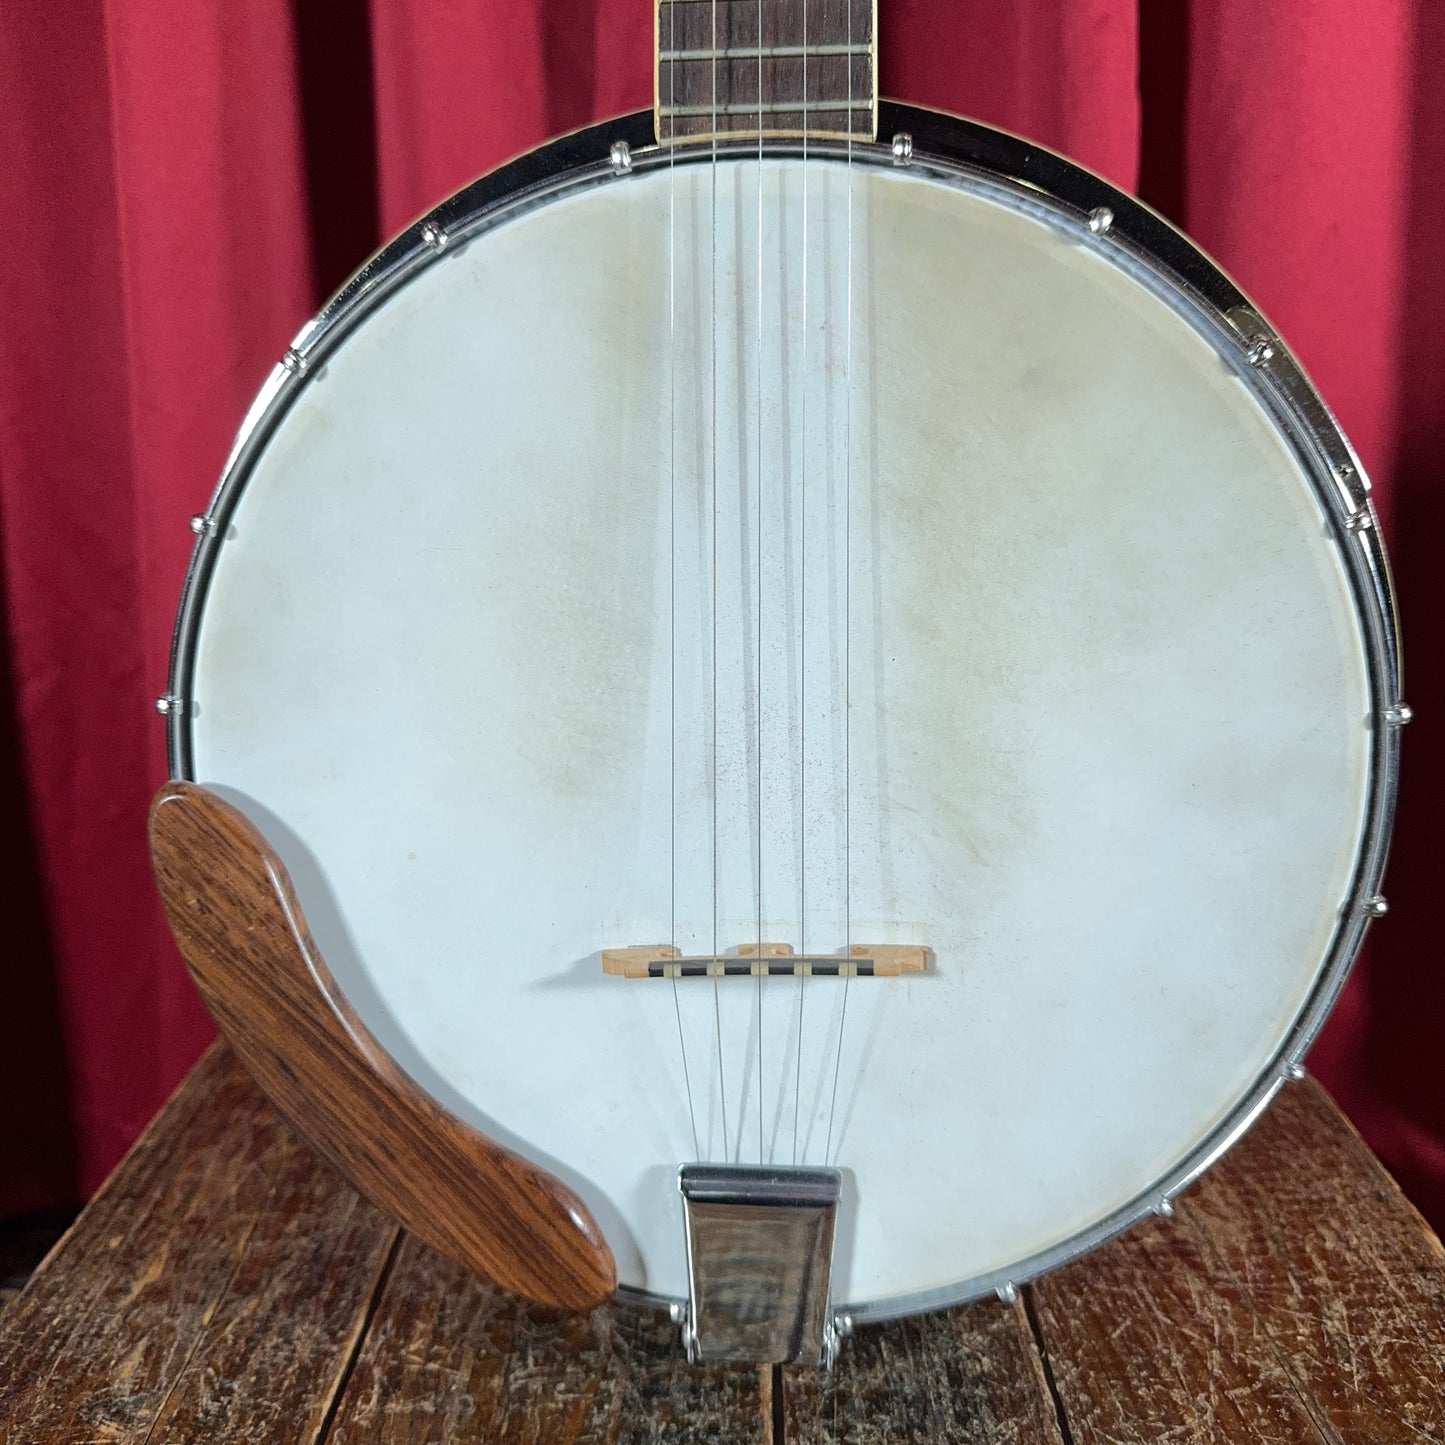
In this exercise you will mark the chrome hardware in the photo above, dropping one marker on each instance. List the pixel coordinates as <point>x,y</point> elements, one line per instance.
<point>202,525</point>
<point>168,703</point>
<point>294,362</point>
<point>1100,219</point>
<point>1360,521</point>
<point>1164,1207</point>
<point>433,237</point>
<point>1294,1071</point>
<point>835,1332</point>
<point>1376,906</point>
<point>759,1262</point>
<point>1397,716</point>
<point>1008,1292</point>
<point>902,148</point>
<point>1261,350</point>
<point>621,158</point>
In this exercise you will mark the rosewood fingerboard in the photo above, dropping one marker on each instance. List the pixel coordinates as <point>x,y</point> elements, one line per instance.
<point>770,67</point>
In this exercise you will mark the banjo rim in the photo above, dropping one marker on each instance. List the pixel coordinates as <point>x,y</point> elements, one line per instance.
<point>1036,181</point>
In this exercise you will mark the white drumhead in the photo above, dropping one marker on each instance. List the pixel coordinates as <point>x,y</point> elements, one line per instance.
<point>1061,676</point>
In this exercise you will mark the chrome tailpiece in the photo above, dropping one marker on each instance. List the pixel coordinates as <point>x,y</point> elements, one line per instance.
<point>759,1262</point>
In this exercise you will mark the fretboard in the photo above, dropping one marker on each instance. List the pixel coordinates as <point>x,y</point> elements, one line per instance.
<point>775,67</point>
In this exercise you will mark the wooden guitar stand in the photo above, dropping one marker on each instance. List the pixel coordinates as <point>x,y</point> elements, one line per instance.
<point>236,919</point>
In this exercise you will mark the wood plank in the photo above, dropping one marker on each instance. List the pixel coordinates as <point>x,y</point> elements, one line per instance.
<point>971,1374</point>
<point>219,1236</point>
<point>1342,1272</point>
<point>279,1342</point>
<point>68,1284</point>
<point>1295,1296</point>
<point>225,1285</point>
<point>450,1357</point>
<point>1147,1340</point>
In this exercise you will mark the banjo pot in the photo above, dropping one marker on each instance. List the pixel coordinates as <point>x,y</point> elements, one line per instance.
<point>855,663</point>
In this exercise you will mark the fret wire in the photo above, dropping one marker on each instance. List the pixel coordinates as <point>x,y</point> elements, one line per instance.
<point>777,107</point>
<point>766,52</point>
<point>828,35</point>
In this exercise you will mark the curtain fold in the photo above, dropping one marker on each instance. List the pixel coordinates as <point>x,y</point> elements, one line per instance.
<point>1297,138</point>
<point>177,180</point>
<point>1061,72</point>
<point>155,263</point>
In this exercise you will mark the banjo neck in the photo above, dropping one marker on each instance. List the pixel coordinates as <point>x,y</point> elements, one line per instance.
<point>726,68</point>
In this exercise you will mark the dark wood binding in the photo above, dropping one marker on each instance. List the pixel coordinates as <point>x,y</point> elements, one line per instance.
<point>239,926</point>
<point>711,77</point>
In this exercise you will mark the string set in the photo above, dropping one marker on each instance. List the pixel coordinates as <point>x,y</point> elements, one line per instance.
<point>731,1149</point>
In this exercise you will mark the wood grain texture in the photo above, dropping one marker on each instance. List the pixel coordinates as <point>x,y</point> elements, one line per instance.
<point>970,1374</point>
<point>448,1357</point>
<point>240,929</point>
<point>279,1340</point>
<point>1341,1271</point>
<point>1148,1338</point>
<point>712,80</point>
<point>211,1290</point>
<point>1295,1296</point>
<point>226,1285</point>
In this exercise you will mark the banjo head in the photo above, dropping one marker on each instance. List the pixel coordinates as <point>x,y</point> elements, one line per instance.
<point>938,555</point>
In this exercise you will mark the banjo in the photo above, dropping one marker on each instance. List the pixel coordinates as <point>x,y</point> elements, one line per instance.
<point>787,707</point>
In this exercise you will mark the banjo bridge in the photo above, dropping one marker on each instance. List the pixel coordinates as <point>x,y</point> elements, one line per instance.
<point>770,960</point>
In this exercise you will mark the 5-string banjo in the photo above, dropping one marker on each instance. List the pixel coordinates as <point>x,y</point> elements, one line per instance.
<point>794,638</point>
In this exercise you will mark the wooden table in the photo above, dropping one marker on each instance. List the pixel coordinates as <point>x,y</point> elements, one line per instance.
<point>224,1286</point>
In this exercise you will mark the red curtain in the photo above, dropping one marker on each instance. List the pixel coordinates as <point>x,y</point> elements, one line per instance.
<point>179,188</point>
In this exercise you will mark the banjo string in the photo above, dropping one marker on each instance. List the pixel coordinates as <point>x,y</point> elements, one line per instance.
<point>672,505</point>
<point>803,626</point>
<point>758,611</point>
<point>803,582</point>
<point>847,605</point>
<point>716,999</point>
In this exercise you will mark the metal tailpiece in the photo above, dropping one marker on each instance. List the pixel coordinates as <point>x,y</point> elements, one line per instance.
<point>759,1261</point>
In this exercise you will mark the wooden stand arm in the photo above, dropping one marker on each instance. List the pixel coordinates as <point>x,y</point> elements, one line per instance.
<point>234,914</point>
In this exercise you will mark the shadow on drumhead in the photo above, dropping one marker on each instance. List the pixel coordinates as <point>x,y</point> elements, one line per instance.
<point>338,948</point>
